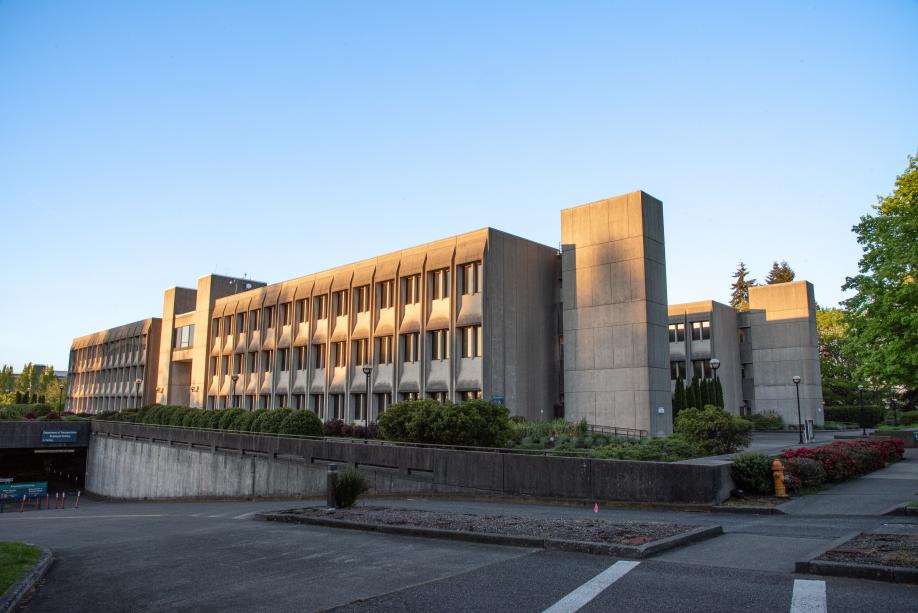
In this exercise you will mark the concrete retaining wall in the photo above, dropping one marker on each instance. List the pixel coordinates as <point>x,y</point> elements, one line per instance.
<point>27,434</point>
<point>132,461</point>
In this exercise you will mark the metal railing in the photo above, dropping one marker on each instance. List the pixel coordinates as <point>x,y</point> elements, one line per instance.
<point>617,432</point>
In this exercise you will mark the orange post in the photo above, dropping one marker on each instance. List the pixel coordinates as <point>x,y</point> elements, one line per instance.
<point>777,470</point>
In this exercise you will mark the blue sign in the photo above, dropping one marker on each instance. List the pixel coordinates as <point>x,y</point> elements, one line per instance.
<point>497,399</point>
<point>15,491</point>
<point>59,436</point>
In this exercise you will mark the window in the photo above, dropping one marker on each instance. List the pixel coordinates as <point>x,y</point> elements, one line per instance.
<point>318,403</point>
<point>299,401</point>
<point>439,344</point>
<point>263,401</point>
<point>226,363</point>
<point>300,310</point>
<point>184,337</point>
<point>251,364</point>
<point>211,401</point>
<point>702,369</point>
<point>382,402</point>
<point>409,396</point>
<point>337,406</point>
<point>362,298</point>
<point>283,360</point>
<point>270,313</point>
<point>471,342</point>
<point>266,360</point>
<point>339,350</point>
<point>227,324</point>
<point>285,314</point>
<point>439,284</point>
<point>320,306</point>
<point>743,334</point>
<point>237,363</point>
<point>410,347</point>
<point>677,370</point>
<point>438,396</point>
<point>470,395</point>
<point>384,294</point>
<point>213,367</point>
<point>340,303</point>
<point>384,350</point>
<point>250,402</point>
<point>280,400</point>
<point>240,323</point>
<point>746,371</point>
<point>701,330</point>
<point>676,333</point>
<point>471,278</point>
<point>412,287</point>
<point>300,359</point>
<point>215,328</point>
<point>360,352</point>
<point>318,351</point>
<point>360,406</point>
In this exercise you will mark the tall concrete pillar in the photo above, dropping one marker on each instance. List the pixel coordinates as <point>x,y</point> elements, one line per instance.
<point>616,349</point>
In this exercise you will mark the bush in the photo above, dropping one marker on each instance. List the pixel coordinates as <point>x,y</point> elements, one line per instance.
<point>852,415</point>
<point>752,473</point>
<point>476,423</point>
<point>714,430</point>
<point>769,420</point>
<point>804,472</point>
<point>228,418</point>
<point>843,460</point>
<point>272,420</point>
<point>260,415</point>
<point>351,485</point>
<point>664,449</point>
<point>907,418</point>
<point>52,416</point>
<point>302,422</point>
<point>243,422</point>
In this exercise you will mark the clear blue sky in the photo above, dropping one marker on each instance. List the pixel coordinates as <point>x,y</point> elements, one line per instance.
<point>282,138</point>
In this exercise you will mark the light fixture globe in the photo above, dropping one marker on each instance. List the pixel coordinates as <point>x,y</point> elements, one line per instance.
<point>367,370</point>
<point>715,363</point>
<point>796,378</point>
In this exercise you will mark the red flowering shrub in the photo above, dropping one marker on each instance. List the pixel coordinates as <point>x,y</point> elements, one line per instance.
<point>843,460</point>
<point>803,472</point>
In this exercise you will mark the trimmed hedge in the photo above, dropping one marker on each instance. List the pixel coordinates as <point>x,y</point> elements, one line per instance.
<point>838,461</point>
<point>752,473</point>
<point>714,430</point>
<point>872,415</point>
<point>476,423</point>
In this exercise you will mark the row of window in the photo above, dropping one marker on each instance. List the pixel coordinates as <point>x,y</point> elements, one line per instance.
<point>183,337</point>
<point>438,284</point>
<point>121,348</point>
<point>128,374</point>
<point>337,408</point>
<point>438,344</point>
<point>701,331</point>
<point>701,369</point>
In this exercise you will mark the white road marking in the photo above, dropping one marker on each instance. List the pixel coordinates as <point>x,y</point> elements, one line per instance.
<point>592,588</point>
<point>809,596</point>
<point>245,515</point>
<point>219,515</point>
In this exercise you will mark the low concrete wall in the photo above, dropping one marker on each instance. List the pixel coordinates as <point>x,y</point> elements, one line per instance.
<point>132,461</point>
<point>27,434</point>
<point>908,437</point>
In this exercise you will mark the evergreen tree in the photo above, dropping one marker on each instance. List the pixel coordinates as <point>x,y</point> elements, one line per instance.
<point>718,394</point>
<point>678,397</point>
<point>705,397</point>
<point>780,273</point>
<point>739,297</point>
<point>697,401</point>
<point>18,397</point>
<point>690,396</point>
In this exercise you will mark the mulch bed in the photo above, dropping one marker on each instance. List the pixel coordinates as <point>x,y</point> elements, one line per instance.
<point>897,550</point>
<point>573,529</point>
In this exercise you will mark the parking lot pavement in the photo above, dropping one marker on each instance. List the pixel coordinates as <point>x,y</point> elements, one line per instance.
<point>212,556</point>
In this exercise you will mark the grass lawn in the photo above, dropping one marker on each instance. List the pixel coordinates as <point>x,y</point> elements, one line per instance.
<point>15,560</point>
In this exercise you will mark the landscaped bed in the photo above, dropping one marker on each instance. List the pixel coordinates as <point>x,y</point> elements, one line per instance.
<point>15,560</point>
<point>594,535</point>
<point>896,550</point>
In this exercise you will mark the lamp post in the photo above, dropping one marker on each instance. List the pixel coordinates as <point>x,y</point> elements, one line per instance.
<point>715,364</point>
<point>60,397</point>
<point>28,399</point>
<point>138,383</point>
<point>367,370</point>
<point>860,400</point>
<point>799,418</point>
<point>234,378</point>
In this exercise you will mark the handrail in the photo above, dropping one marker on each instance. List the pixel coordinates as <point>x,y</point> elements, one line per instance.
<point>618,431</point>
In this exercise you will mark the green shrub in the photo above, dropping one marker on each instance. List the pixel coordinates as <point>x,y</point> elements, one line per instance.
<point>302,422</point>
<point>714,430</point>
<point>228,418</point>
<point>178,416</point>
<point>188,420</point>
<point>351,485</point>
<point>273,420</point>
<point>475,422</point>
<point>545,429</point>
<point>768,420</point>
<point>906,418</point>
<point>752,473</point>
<point>663,449</point>
<point>259,417</point>
<point>804,472</point>
<point>872,415</point>
<point>243,422</point>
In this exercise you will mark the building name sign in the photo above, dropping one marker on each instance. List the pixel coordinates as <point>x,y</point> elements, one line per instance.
<point>59,436</point>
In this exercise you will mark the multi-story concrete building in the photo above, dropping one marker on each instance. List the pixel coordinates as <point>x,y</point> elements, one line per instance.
<point>760,350</point>
<point>580,333</point>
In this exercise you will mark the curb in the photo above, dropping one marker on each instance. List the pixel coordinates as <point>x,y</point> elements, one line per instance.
<point>10,599</point>
<point>776,510</point>
<point>623,551</point>
<point>859,571</point>
<point>903,509</point>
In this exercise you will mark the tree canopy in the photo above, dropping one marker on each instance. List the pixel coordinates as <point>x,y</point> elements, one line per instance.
<point>739,297</point>
<point>883,314</point>
<point>780,273</point>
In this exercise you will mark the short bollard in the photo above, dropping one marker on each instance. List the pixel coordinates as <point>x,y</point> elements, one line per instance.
<point>331,484</point>
<point>63,500</point>
<point>47,501</point>
<point>57,500</point>
<point>22,504</point>
<point>77,505</point>
<point>777,470</point>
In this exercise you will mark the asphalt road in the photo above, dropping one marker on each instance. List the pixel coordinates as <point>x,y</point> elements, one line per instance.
<point>215,557</point>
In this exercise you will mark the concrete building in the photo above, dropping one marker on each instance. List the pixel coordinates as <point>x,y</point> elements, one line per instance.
<point>760,350</point>
<point>580,332</point>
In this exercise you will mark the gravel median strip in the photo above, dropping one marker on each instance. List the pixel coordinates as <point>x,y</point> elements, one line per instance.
<point>624,539</point>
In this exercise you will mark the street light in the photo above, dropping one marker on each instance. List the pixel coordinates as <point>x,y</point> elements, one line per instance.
<point>715,364</point>
<point>860,400</point>
<point>799,418</point>
<point>138,382</point>
<point>367,370</point>
<point>234,378</point>
<point>60,397</point>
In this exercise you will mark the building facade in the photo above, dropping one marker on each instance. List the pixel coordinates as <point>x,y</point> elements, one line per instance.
<point>579,332</point>
<point>760,350</point>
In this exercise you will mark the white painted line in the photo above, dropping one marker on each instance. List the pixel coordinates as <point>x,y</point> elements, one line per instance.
<point>809,596</point>
<point>219,515</point>
<point>245,515</point>
<point>592,588</point>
